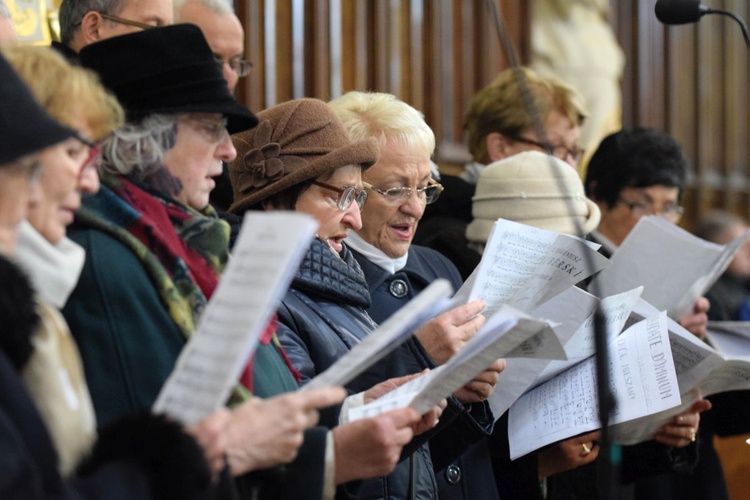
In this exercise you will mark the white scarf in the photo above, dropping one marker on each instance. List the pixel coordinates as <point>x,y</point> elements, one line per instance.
<point>376,255</point>
<point>53,269</point>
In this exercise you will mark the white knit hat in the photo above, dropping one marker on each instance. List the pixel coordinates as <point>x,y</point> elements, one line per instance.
<point>532,188</point>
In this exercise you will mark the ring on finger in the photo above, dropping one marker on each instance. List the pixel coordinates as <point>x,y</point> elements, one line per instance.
<point>586,449</point>
<point>692,437</point>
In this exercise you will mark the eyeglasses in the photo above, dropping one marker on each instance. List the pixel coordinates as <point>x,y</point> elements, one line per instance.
<point>127,22</point>
<point>558,151</point>
<point>213,130</point>
<point>400,195</point>
<point>94,158</point>
<point>670,212</point>
<point>239,66</point>
<point>348,195</point>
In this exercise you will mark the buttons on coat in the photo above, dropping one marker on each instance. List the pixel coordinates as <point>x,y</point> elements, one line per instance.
<point>453,474</point>
<point>398,288</point>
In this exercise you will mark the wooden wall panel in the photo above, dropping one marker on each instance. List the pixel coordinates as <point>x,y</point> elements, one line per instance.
<point>433,54</point>
<point>692,81</point>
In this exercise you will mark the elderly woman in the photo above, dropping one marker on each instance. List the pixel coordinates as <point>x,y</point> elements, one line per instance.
<point>30,459</point>
<point>400,187</point>
<point>300,158</point>
<point>152,218</point>
<point>542,191</point>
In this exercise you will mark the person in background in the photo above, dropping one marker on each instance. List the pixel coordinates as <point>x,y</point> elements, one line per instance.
<point>730,295</point>
<point>83,22</point>
<point>636,172</point>
<point>223,31</point>
<point>400,187</point>
<point>500,124</point>
<point>225,36</point>
<point>8,35</point>
<point>542,191</point>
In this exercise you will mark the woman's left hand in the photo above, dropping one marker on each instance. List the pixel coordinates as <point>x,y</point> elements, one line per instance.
<point>683,429</point>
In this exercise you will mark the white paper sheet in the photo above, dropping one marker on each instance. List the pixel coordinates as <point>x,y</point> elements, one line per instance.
<point>643,381</point>
<point>392,333</point>
<point>572,313</point>
<point>507,333</point>
<point>673,266</point>
<point>268,251</point>
<point>524,266</point>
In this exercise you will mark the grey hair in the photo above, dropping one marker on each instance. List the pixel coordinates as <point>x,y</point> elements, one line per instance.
<point>72,12</point>
<point>138,148</point>
<point>221,7</point>
<point>4,11</point>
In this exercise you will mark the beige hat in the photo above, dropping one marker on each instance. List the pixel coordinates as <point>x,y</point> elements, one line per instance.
<point>532,188</point>
<point>295,141</point>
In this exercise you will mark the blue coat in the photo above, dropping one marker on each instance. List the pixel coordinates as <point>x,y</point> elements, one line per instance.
<point>470,476</point>
<point>321,318</point>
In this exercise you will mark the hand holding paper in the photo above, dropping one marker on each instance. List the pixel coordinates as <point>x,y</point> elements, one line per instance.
<point>508,333</point>
<point>259,272</point>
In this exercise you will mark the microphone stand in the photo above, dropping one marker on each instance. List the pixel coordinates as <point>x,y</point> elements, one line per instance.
<point>609,459</point>
<point>737,18</point>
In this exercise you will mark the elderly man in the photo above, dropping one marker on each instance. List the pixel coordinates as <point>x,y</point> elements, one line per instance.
<point>223,32</point>
<point>83,22</point>
<point>400,186</point>
<point>499,125</point>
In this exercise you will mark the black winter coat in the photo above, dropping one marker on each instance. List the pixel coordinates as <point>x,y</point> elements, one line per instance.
<point>144,457</point>
<point>469,476</point>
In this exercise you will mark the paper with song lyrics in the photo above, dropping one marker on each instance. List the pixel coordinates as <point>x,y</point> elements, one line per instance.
<point>508,333</point>
<point>701,371</point>
<point>524,266</point>
<point>673,266</point>
<point>572,316</point>
<point>642,378</point>
<point>429,303</point>
<point>268,252</point>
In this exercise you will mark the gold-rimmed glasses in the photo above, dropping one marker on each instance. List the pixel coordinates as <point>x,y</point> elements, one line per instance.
<point>400,195</point>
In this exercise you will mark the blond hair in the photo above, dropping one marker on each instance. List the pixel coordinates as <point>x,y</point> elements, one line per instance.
<point>383,116</point>
<point>67,92</point>
<point>501,107</point>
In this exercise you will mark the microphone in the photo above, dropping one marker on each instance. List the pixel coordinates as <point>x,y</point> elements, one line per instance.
<point>679,11</point>
<point>691,11</point>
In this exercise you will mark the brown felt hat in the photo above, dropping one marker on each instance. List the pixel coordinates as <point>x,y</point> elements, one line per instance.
<point>294,142</point>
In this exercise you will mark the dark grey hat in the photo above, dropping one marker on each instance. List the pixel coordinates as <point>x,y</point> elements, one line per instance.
<point>25,127</point>
<point>166,70</point>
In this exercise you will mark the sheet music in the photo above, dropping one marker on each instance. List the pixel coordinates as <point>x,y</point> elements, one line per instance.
<point>673,266</point>
<point>572,313</point>
<point>507,333</point>
<point>268,251</point>
<point>392,333</point>
<point>524,266</point>
<point>643,381</point>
